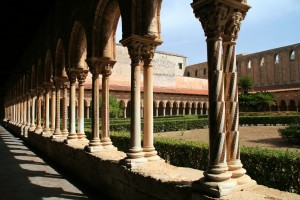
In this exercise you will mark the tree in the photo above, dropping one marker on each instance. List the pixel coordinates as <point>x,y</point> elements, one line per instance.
<point>256,101</point>
<point>245,84</point>
<point>115,107</point>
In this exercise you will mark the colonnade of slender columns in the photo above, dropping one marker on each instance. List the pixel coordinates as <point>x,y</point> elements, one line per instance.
<point>64,130</point>
<point>53,107</point>
<point>33,98</point>
<point>141,51</point>
<point>221,23</point>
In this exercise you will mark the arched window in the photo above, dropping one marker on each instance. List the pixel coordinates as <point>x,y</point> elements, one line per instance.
<point>204,71</point>
<point>196,73</point>
<point>188,74</point>
<point>292,55</point>
<point>276,58</point>
<point>249,64</point>
<point>262,62</point>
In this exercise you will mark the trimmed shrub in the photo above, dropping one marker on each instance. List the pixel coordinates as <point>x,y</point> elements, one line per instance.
<point>272,168</point>
<point>291,134</point>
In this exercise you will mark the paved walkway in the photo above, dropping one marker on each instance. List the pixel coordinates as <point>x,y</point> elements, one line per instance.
<point>24,175</point>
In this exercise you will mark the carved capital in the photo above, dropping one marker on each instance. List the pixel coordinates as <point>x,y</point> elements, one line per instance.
<point>233,26</point>
<point>148,51</point>
<point>81,76</point>
<point>72,75</point>
<point>47,86</point>
<point>59,81</point>
<point>66,85</point>
<point>220,18</point>
<point>101,65</point>
<point>141,48</point>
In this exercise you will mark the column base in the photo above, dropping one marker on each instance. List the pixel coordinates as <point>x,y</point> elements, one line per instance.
<point>151,155</point>
<point>26,129</point>
<point>38,130</point>
<point>92,149</point>
<point>81,135</point>
<point>245,181</point>
<point>46,132</point>
<point>22,130</point>
<point>31,128</point>
<point>107,144</point>
<point>133,162</point>
<point>214,189</point>
<point>58,137</point>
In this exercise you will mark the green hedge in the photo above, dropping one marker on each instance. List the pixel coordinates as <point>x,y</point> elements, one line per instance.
<point>291,134</point>
<point>273,168</point>
<point>270,120</point>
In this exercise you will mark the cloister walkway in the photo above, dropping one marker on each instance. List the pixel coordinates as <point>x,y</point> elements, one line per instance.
<point>25,175</point>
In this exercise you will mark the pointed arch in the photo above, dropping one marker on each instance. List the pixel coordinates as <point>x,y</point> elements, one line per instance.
<point>48,71</point>
<point>59,64</point>
<point>77,53</point>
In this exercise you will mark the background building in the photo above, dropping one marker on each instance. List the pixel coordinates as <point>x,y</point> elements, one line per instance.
<point>275,70</point>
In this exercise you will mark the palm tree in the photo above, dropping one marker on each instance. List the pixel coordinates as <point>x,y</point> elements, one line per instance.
<point>245,84</point>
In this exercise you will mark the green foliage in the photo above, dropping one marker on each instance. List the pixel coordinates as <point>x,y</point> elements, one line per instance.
<point>256,101</point>
<point>272,168</point>
<point>245,84</point>
<point>115,107</point>
<point>270,120</point>
<point>291,134</point>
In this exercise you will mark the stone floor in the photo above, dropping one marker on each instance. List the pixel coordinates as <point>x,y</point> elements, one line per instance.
<point>25,175</point>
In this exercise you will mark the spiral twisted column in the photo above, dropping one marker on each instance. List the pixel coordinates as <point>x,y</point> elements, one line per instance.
<point>95,68</point>
<point>231,93</point>
<point>64,130</point>
<point>218,23</point>
<point>106,70</point>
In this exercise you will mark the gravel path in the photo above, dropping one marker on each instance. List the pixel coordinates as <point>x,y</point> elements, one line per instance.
<point>262,136</point>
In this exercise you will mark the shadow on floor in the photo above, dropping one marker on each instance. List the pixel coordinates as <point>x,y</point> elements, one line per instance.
<point>25,175</point>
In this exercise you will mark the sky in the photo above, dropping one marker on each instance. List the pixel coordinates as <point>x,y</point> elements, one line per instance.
<point>268,24</point>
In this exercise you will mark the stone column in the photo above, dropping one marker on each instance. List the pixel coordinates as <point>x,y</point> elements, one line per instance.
<point>164,110</point>
<point>125,110</point>
<point>171,110</point>
<point>21,111</point>
<point>106,69</point>
<point>148,147</point>
<point>190,110</point>
<point>47,87</point>
<point>39,128</point>
<point>88,112</point>
<point>156,111</point>
<point>177,110</point>
<point>72,135</point>
<point>135,154</point>
<point>201,110</point>
<point>183,110</point>
<point>53,106</point>
<point>32,126</point>
<point>28,109</point>
<point>81,79</point>
<point>196,109</point>
<point>58,82</point>
<point>64,130</point>
<point>217,20</point>
<point>95,68</point>
<point>24,110</point>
